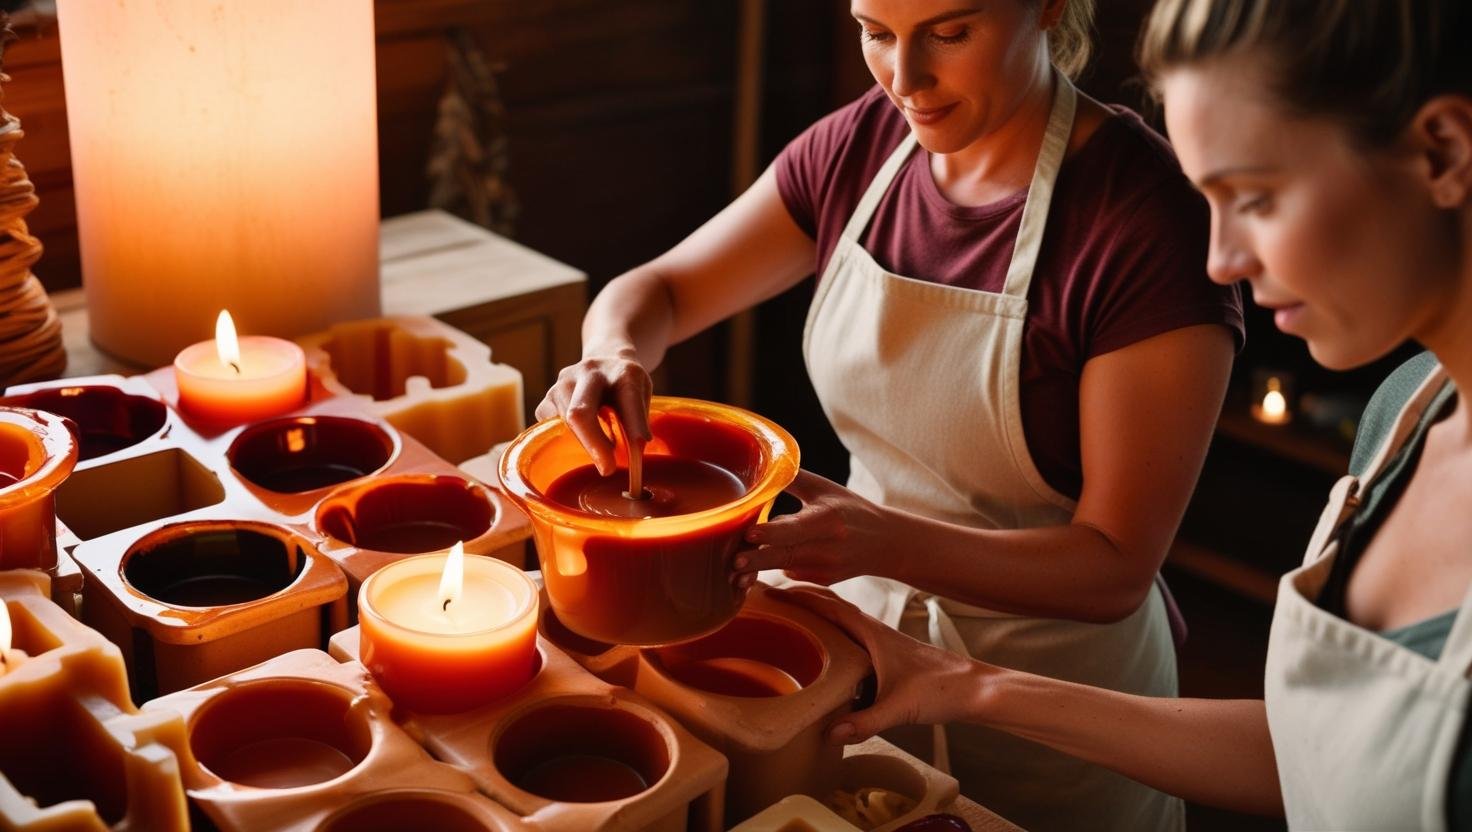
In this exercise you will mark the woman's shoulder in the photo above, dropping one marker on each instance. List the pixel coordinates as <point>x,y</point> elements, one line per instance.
<point>1125,163</point>
<point>1385,406</point>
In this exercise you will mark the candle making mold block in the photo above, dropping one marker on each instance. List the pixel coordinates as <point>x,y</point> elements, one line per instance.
<point>76,754</point>
<point>570,752</point>
<point>303,742</point>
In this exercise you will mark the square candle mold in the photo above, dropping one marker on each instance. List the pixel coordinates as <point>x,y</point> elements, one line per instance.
<point>877,763</point>
<point>761,690</point>
<point>191,600</point>
<point>516,750</point>
<point>303,742</point>
<point>428,379</point>
<point>75,753</point>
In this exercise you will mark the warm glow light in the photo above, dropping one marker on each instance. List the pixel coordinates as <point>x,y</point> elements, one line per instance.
<point>296,441</point>
<point>453,576</point>
<point>4,629</point>
<point>226,344</point>
<point>1274,406</point>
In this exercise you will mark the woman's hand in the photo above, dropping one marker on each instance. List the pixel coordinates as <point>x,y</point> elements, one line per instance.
<point>835,536</point>
<point>918,684</point>
<point>613,379</point>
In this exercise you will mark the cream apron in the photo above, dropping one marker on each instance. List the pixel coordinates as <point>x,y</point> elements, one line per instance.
<point>920,381</point>
<point>1363,729</point>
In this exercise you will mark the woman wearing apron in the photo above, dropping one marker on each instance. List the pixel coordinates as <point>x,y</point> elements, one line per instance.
<point>1334,141</point>
<point>1014,339</point>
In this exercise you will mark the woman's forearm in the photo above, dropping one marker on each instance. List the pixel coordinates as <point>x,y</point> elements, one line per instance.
<point>1073,571</point>
<point>633,312</point>
<point>1211,751</point>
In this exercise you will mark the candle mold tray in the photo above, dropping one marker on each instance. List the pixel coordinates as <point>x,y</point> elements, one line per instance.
<point>761,690</point>
<point>302,742</point>
<point>566,713</point>
<point>200,550</point>
<point>76,754</point>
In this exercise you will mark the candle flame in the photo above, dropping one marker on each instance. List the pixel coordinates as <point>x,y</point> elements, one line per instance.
<point>226,343</point>
<point>453,577</point>
<point>1274,405</point>
<point>4,630</point>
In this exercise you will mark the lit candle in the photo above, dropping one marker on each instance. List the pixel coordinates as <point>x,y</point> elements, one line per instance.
<point>9,659</point>
<point>231,381</point>
<point>1273,409</point>
<point>445,633</point>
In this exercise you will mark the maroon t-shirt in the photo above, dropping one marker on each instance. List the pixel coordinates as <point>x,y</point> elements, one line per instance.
<point>1123,257</point>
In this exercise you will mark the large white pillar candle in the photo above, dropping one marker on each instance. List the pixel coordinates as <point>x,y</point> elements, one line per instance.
<point>224,155</point>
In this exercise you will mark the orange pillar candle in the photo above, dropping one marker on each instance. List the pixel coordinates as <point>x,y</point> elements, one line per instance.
<point>232,381</point>
<point>37,454</point>
<point>445,633</point>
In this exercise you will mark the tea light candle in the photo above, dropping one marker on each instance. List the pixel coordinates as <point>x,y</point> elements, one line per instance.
<point>231,381</point>
<point>445,633</point>
<point>1273,408</point>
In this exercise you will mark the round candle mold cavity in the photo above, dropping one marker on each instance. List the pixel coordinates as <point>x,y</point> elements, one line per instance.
<point>408,514</point>
<point>659,580</point>
<point>107,418</point>
<point>754,657</point>
<point>378,360</point>
<point>581,754</point>
<point>877,771</point>
<point>305,453</point>
<point>213,565</point>
<point>280,734</point>
<point>558,634</point>
<point>399,810</point>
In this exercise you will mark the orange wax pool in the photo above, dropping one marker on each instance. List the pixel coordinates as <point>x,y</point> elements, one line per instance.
<point>672,486</point>
<point>433,660</point>
<point>283,763</point>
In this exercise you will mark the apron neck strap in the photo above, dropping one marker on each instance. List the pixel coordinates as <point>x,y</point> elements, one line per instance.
<point>870,200</point>
<point>1040,192</point>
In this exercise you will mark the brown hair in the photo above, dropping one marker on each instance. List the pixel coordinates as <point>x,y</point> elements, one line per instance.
<point>1070,41</point>
<point>1370,64</point>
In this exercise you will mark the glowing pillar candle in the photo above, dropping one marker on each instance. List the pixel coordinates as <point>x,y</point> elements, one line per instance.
<point>446,633</point>
<point>224,154</point>
<point>231,381</point>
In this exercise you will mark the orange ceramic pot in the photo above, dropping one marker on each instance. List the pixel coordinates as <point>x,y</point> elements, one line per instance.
<point>655,580</point>
<point>37,453</point>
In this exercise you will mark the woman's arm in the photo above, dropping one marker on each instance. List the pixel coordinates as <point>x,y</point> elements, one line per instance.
<point>1146,414</point>
<point>1216,752</point>
<point>751,251</point>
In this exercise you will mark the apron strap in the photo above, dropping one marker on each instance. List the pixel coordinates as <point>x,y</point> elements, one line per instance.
<point>865,209</point>
<point>1040,192</point>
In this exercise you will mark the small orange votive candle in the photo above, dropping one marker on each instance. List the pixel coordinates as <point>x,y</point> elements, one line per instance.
<point>232,381</point>
<point>439,644</point>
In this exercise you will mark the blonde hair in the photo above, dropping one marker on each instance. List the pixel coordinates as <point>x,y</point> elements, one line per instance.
<point>1370,64</point>
<point>1070,42</point>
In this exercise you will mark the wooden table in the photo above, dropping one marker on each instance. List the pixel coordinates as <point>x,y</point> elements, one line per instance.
<point>526,306</point>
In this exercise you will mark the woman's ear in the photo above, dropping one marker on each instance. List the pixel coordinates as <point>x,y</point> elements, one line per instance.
<point>1441,134</point>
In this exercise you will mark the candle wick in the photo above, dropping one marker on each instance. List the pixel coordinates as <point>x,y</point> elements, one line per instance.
<point>446,606</point>
<point>236,367</point>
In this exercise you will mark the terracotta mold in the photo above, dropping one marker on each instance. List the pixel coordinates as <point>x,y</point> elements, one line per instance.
<point>428,379</point>
<point>761,690</point>
<point>633,767</point>
<point>795,813</point>
<point>76,754</point>
<point>876,763</point>
<point>303,742</point>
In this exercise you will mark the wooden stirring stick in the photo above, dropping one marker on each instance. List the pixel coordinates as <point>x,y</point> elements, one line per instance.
<point>636,470</point>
